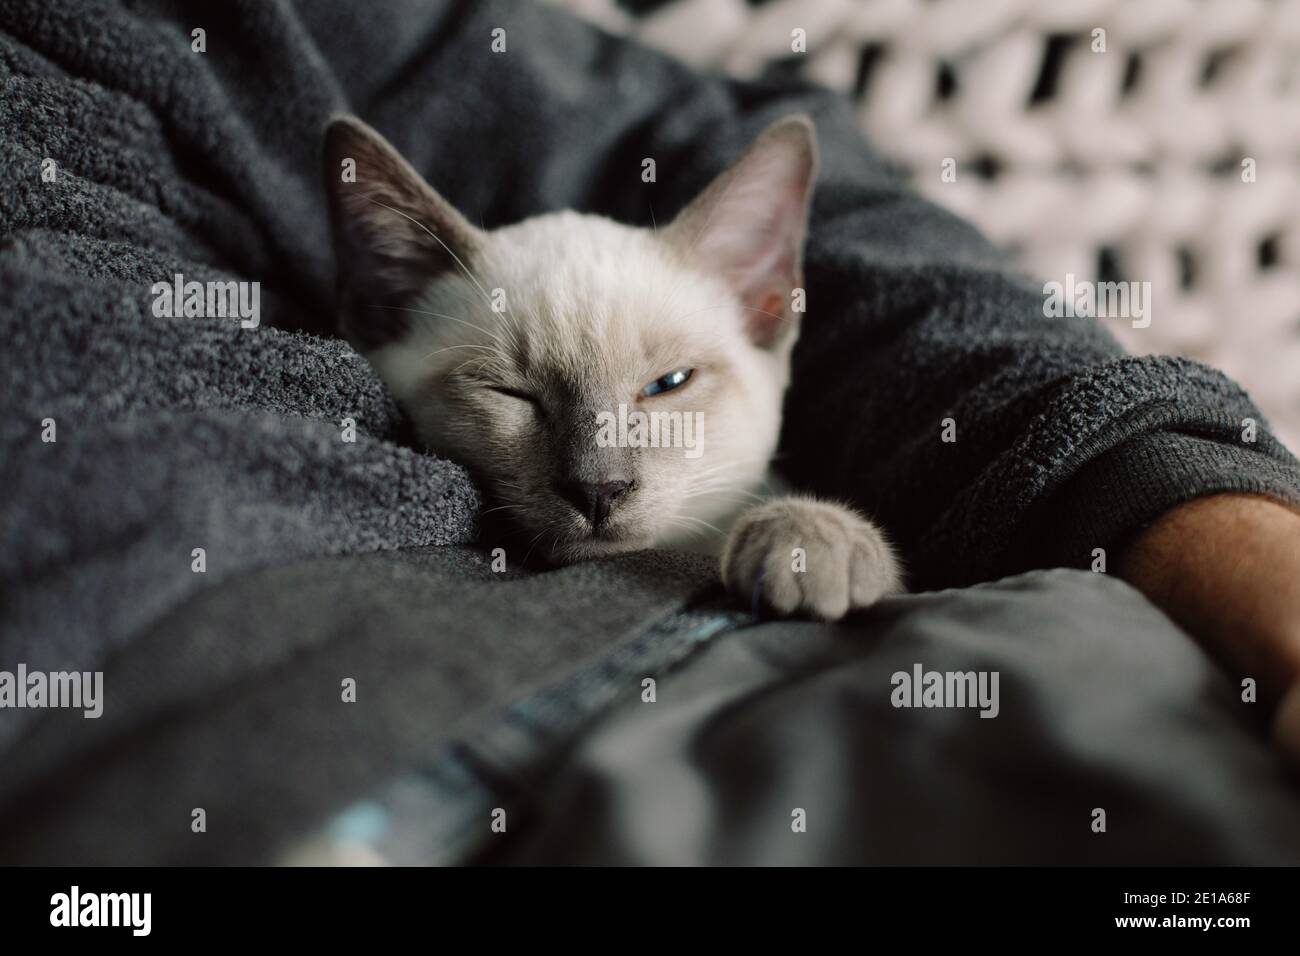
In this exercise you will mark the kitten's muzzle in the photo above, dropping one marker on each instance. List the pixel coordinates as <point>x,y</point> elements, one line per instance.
<point>596,501</point>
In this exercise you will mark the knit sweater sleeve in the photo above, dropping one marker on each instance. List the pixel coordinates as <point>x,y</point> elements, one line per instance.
<point>932,390</point>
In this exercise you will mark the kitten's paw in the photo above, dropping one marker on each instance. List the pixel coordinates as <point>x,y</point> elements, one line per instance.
<point>809,555</point>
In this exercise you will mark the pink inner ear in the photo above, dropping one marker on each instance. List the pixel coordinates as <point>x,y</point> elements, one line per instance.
<point>748,226</point>
<point>757,248</point>
<point>753,220</point>
<point>766,320</point>
<point>753,239</point>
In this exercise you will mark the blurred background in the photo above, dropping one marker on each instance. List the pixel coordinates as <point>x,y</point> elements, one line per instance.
<point>1149,140</point>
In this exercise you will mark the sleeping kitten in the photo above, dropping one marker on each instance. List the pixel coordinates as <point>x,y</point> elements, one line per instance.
<point>515,350</point>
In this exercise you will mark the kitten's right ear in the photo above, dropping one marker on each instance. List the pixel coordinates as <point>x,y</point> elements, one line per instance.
<point>392,232</point>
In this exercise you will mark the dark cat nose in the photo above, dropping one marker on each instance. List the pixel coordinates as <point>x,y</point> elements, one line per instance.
<point>596,500</point>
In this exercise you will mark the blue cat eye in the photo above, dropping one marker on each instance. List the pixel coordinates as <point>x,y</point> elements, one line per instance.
<point>668,382</point>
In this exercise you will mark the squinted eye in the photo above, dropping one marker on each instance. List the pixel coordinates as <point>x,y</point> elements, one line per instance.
<point>514,393</point>
<point>668,382</point>
<point>517,395</point>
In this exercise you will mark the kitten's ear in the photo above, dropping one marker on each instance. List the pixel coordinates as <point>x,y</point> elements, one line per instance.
<point>392,232</point>
<point>749,225</point>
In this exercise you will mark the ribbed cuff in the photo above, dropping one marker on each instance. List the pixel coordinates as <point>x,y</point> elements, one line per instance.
<point>1121,492</point>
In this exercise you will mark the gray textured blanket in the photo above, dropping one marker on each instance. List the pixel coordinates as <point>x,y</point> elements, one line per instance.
<point>147,457</point>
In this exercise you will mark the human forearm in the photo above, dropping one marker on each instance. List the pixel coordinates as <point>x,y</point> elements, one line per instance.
<point>1227,568</point>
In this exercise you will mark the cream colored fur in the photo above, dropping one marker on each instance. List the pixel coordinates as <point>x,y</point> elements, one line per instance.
<point>526,332</point>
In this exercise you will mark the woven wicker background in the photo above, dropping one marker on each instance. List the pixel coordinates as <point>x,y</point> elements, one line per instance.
<point>1124,154</point>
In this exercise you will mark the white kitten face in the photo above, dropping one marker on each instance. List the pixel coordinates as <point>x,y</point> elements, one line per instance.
<point>509,348</point>
<point>593,313</point>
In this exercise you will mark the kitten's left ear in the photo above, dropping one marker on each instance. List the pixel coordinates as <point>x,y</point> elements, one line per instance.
<point>749,224</point>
